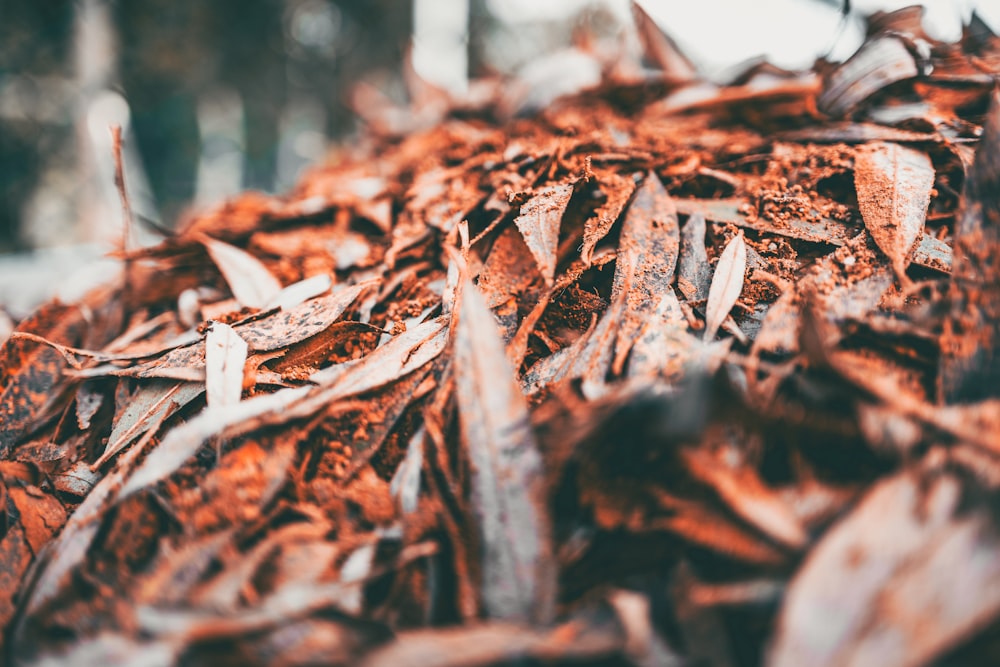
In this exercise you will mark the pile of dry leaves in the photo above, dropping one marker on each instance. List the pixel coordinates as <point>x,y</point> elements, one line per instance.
<point>667,373</point>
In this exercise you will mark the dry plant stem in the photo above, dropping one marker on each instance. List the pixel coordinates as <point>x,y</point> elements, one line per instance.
<point>127,218</point>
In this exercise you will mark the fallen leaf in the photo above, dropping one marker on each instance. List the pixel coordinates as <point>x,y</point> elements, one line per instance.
<point>539,222</point>
<point>29,371</point>
<point>898,608</point>
<point>399,357</point>
<point>877,64</point>
<point>727,283</point>
<point>618,190</point>
<point>250,281</point>
<point>894,190</point>
<point>507,485</point>
<point>694,273</point>
<point>153,402</point>
<point>644,272</point>
<point>225,357</point>
<point>273,332</point>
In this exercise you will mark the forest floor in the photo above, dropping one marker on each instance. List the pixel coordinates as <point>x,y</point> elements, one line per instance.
<point>661,373</point>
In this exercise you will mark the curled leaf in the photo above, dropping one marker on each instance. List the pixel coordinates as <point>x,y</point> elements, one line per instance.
<point>539,223</point>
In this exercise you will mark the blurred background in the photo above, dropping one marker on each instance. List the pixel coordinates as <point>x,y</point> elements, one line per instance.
<point>216,97</point>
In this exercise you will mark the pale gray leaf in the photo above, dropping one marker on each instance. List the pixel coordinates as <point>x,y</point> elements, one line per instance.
<point>506,471</point>
<point>250,281</point>
<point>225,358</point>
<point>727,284</point>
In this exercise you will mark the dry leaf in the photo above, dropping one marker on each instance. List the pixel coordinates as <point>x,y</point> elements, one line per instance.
<point>882,586</point>
<point>539,222</point>
<point>619,190</point>
<point>507,485</point>
<point>252,284</point>
<point>150,404</point>
<point>694,273</point>
<point>894,190</point>
<point>727,283</point>
<point>644,273</point>
<point>878,63</point>
<point>225,357</point>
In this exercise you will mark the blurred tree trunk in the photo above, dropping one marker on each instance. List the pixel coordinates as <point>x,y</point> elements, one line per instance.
<point>481,21</point>
<point>368,43</point>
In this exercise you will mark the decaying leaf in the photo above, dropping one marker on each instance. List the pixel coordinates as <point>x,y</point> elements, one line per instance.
<point>878,63</point>
<point>149,405</point>
<point>273,332</point>
<point>539,223</point>
<point>30,370</point>
<point>694,273</point>
<point>460,437</point>
<point>618,190</point>
<point>894,189</point>
<point>644,273</point>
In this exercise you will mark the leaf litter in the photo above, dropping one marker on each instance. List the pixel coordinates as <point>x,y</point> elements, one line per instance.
<point>663,372</point>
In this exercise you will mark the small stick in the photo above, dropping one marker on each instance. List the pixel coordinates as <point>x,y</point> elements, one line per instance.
<point>116,152</point>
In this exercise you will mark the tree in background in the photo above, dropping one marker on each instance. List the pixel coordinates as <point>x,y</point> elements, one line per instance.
<point>170,54</point>
<point>35,40</point>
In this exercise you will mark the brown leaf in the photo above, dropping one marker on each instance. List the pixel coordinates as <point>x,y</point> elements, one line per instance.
<point>507,479</point>
<point>744,492</point>
<point>663,346</point>
<point>151,403</point>
<point>70,548</point>
<point>30,371</point>
<point>619,190</point>
<point>841,299</point>
<point>509,277</point>
<point>588,358</point>
<point>894,190</point>
<point>273,332</point>
<point>42,515</point>
<point>930,252</point>
<point>644,273</point>
<point>709,528</point>
<point>727,283</point>
<point>539,222</point>
<point>970,344</point>
<point>399,357</point>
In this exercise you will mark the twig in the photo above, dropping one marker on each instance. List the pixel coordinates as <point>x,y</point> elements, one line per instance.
<point>128,222</point>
